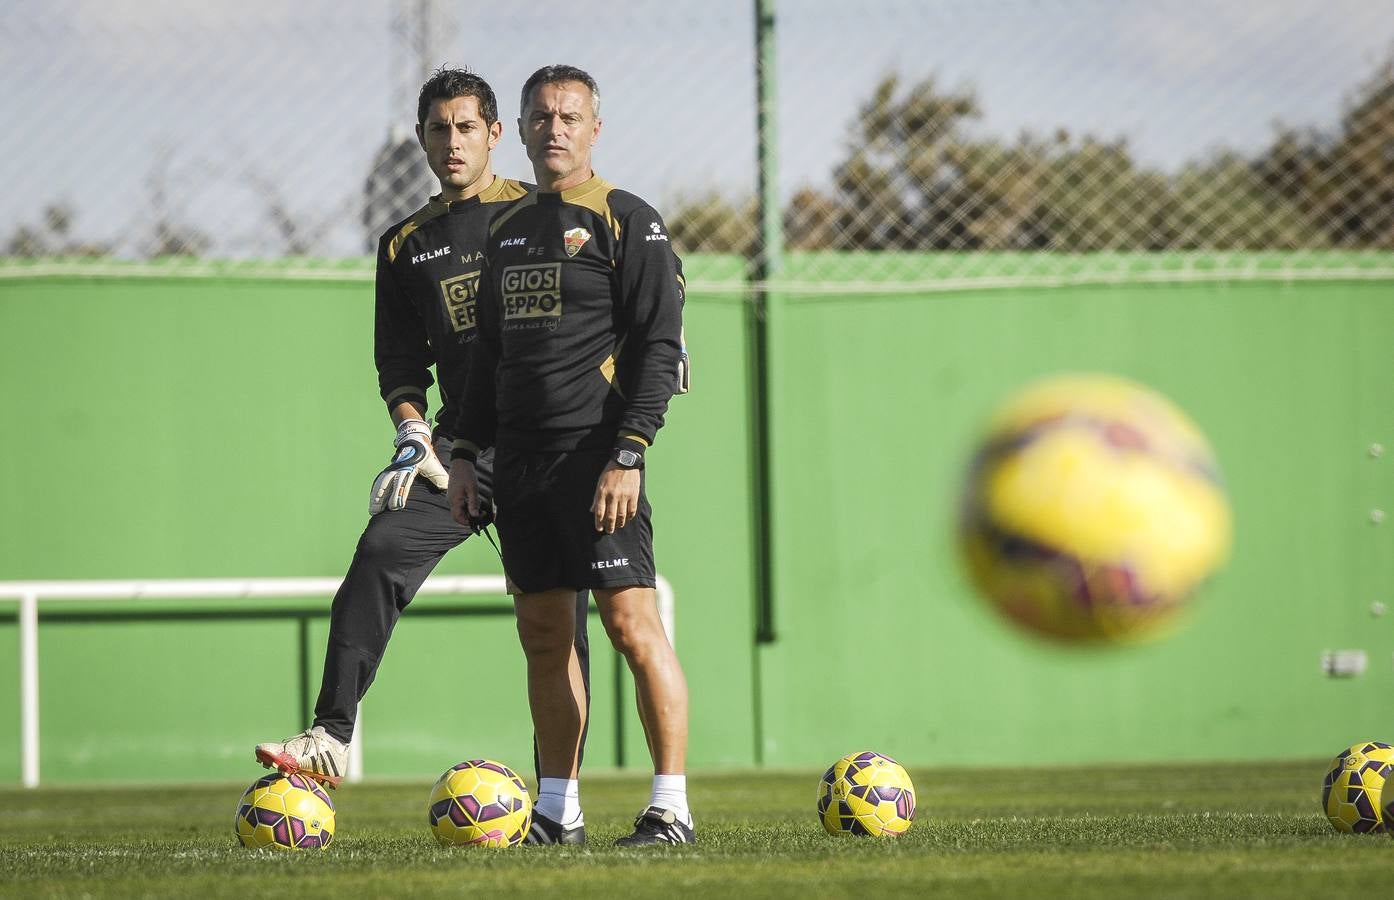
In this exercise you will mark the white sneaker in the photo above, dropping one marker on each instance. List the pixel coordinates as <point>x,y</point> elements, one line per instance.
<point>312,753</point>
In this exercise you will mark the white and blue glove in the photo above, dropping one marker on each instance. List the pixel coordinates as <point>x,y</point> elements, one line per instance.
<point>414,456</point>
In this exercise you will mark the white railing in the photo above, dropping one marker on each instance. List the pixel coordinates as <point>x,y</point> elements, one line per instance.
<point>30,593</point>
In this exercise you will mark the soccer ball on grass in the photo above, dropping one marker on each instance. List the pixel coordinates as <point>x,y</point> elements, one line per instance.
<point>1352,794</point>
<point>479,803</point>
<point>868,795</point>
<point>285,812</point>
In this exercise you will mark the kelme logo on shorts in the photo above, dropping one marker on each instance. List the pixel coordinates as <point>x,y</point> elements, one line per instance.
<point>531,292</point>
<point>459,293</point>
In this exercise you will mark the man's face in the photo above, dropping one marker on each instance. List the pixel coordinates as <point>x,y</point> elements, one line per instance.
<point>558,127</point>
<point>457,145</point>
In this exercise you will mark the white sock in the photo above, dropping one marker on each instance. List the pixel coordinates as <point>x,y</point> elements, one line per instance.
<point>670,792</point>
<point>559,799</point>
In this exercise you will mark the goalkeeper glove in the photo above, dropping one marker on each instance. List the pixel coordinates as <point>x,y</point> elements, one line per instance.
<point>414,455</point>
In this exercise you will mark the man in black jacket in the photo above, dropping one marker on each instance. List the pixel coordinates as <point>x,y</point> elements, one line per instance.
<point>580,324</point>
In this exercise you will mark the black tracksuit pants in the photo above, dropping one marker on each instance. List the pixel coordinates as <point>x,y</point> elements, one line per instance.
<point>398,549</point>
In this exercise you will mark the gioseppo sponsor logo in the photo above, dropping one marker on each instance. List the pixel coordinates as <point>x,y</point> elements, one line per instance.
<point>531,292</point>
<point>430,254</point>
<point>459,293</point>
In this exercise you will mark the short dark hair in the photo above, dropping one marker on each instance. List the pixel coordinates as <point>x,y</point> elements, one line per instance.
<point>447,84</point>
<point>557,75</point>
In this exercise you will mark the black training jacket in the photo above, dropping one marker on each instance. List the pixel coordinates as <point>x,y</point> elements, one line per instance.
<point>427,282</point>
<point>580,324</point>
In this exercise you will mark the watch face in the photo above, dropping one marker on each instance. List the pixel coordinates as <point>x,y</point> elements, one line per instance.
<point>627,458</point>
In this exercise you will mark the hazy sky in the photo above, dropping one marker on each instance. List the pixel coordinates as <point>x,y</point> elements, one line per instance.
<point>208,109</point>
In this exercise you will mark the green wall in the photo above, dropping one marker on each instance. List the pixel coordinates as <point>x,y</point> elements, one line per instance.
<point>168,428</point>
<point>180,427</point>
<point>878,636</point>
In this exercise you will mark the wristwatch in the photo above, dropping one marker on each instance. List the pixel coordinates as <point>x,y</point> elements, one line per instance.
<point>628,459</point>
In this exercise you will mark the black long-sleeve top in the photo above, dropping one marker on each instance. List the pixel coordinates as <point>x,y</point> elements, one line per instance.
<point>579,323</point>
<point>427,284</point>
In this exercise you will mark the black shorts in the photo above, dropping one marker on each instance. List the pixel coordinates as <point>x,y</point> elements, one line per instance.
<point>547,530</point>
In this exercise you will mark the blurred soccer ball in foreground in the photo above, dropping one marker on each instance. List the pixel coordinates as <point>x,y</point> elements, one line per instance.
<point>479,803</point>
<point>1352,792</point>
<point>1093,509</point>
<point>285,812</point>
<point>868,795</point>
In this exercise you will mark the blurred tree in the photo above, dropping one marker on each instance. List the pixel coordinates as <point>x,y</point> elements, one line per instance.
<point>711,223</point>
<point>1341,184</point>
<point>915,177</point>
<point>296,233</point>
<point>53,237</point>
<point>169,235</point>
<point>398,184</point>
<point>1358,187</point>
<point>811,221</point>
<point>1223,204</point>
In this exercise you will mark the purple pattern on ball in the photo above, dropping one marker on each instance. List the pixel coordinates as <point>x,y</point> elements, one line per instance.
<point>281,833</point>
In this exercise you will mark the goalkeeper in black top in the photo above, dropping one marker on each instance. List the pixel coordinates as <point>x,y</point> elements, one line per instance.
<point>580,343</point>
<point>427,273</point>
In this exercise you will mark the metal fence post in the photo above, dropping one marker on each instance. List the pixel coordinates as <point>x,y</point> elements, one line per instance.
<point>29,688</point>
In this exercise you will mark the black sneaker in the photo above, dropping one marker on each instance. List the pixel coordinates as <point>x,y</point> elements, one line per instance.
<point>658,826</point>
<point>545,831</point>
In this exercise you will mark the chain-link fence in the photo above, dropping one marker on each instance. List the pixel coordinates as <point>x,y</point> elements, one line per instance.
<point>955,140</point>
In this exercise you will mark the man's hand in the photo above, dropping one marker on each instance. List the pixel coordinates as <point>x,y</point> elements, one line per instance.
<point>463,492</point>
<point>414,456</point>
<point>616,498</point>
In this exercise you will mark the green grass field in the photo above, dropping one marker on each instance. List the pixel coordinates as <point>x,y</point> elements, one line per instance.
<point>1120,831</point>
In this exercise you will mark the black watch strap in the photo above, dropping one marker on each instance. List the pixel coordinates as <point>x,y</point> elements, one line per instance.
<point>629,454</point>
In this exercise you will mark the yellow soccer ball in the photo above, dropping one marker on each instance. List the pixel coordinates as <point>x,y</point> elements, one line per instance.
<point>479,803</point>
<point>1092,511</point>
<point>866,794</point>
<point>285,812</point>
<point>1352,794</point>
